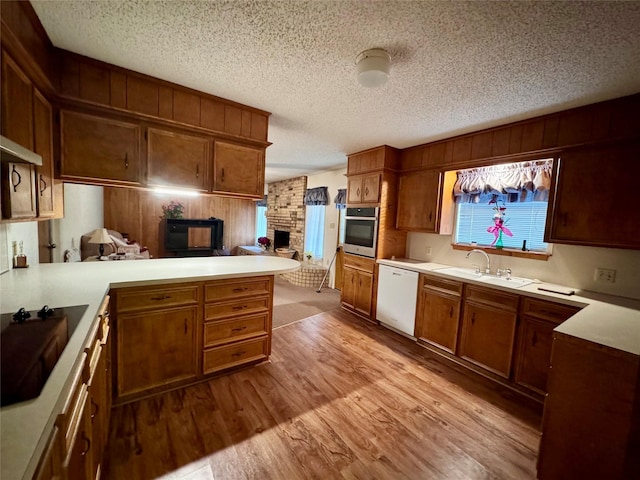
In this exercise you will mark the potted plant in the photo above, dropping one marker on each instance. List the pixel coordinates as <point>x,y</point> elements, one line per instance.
<point>264,242</point>
<point>173,210</point>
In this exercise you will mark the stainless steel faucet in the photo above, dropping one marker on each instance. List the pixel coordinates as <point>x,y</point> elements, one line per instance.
<point>476,250</point>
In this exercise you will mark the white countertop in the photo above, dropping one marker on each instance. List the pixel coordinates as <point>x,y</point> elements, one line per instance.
<point>604,319</point>
<point>64,284</point>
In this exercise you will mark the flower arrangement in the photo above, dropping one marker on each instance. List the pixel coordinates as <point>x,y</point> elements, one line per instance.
<point>308,256</point>
<point>173,210</point>
<point>264,242</point>
<point>498,227</point>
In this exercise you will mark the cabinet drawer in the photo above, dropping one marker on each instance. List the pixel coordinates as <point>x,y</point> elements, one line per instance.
<point>494,298</point>
<point>236,354</point>
<point>219,333</point>
<point>360,263</point>
<point>554,312</point>
<point>131,299</point>
<point>441,285</point>
<point>232,289</point>
<point>69,419</point>
<point>247,306</point>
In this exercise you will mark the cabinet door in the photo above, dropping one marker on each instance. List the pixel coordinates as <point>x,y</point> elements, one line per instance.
<point>156,348</point>
<point>43,146</point>
<point>98,412</point>
<point>238,169</point>
<point>419,201</point>
<point>371,188</point>
<point>349,279</point>
<point>77,464</point>
<point>178,160</point>
<point>438,320</point>
<point>17,103</point>
<point>18,190</point>
<point>354,190</point>
<point>487,337</point>
<point>364,293</point>
<point>99,148</point>
<point>593,202</point>
<point>534,353</point>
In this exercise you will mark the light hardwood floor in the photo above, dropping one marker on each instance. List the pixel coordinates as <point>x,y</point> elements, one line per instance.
<point>339,399</point>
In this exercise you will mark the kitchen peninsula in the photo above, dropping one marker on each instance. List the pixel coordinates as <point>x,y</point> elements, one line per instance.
<point>28,426</point>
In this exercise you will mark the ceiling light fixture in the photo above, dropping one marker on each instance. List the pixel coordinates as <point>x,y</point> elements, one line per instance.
<point>373,67</point>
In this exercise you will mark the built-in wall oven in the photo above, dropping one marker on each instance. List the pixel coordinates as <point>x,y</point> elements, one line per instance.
<point>361,231</point>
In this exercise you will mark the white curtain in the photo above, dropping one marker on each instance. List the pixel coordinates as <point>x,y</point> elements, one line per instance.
<point>314,231</point>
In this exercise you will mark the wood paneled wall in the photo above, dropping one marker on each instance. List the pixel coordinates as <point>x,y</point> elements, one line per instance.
<point>138,212</point>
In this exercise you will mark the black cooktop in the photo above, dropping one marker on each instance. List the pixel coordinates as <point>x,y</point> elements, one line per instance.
<point>30,346</point>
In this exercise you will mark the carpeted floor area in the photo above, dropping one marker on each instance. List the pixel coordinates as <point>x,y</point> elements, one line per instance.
<point>292,303</point>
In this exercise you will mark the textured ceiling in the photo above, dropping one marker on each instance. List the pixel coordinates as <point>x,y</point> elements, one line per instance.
<point>456,66</point>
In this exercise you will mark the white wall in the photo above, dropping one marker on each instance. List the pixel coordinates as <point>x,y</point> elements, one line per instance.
<point>83,213</point>
<point>27,232</point>
<point>569,265</point>
<point>334,180</point>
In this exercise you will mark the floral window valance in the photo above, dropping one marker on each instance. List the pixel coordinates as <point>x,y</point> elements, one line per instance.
<point>341,199</point>
<point>518,182</point>
<point>262,203</point>
<point>316,196</point>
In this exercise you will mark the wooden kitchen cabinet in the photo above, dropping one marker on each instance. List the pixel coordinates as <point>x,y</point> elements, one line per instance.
<point>438,312</point>
<point>488,329</point>
<point>357,285</point>
<point>363,189</point>
<point>237,322</point>
<point>178,160</point>
<point>17,103</point>
<point>18,190</point>
<point>50,466</point>
<point>78,464</point>
<point>99,149</point>
<point>538,318</point>
<point>48,192</point>
<point>592,199</point>
<point>238,170</point>
<point>419,196</point>
<point>157,336</point>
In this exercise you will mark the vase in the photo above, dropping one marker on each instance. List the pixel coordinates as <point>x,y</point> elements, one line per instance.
<point>499,244</point>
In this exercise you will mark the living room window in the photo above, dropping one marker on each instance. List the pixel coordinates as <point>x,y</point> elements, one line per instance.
<point>503,206</point>
<point>261,218</point>
<point>315,200</point>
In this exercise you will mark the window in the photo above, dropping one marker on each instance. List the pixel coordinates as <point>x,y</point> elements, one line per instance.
<point>525,220</point>
<point>261,222</point>
<point>314,231</point>
<point>342,223</point>
<point>503,204</point>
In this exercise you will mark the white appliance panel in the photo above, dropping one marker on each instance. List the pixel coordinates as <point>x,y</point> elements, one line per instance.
<point>397,297</point>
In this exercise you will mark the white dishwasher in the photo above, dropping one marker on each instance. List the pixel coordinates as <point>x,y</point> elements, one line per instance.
<point>397,297</point>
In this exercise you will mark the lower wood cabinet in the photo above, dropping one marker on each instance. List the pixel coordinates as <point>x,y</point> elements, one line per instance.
<point>358,281</point>
<point>156,348</point>
<point>489,329</point>
<point>438,312</point>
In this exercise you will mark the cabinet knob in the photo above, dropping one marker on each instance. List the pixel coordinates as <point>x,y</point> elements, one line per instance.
<point>17,174</point>
<point>222,176</point>
<point>197,171</point>
<point>450,312</point>
<point>185,326</point>
<point>87,442</point>
<point>96,407</point>
<point>473,318</point>
<point>126,160</point>
<point>534,339</point>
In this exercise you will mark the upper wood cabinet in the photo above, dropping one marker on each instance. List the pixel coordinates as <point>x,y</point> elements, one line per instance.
<point>593,197</point>
<point>17,103</point>
<point>48,194</point>
<point>419,201</point>
<point>18,190</point>
<point>363,189</point>
<point>99,149</point>
<point>178,160</point>
<point>238,169</point>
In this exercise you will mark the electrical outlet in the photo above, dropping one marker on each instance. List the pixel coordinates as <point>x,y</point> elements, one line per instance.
<point>427,251</point>
<point>605,275</point>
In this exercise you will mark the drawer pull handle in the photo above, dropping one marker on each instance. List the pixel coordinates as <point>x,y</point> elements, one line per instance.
<point>238,354</point>
<point>534,339</point>
<point>473,318</point>
<point>222,178</point>
<point>161,297</point>
<point>241,289</point>
<point>197,171</point>
<point>15,172</point>
<point>43,185</point>
<point>239,307</point>
<point>185,326</point>
<point>126,160</point>
<point>88,443</point>
<point>239,329</point>
<point>94,412</point>
<point>450,312</point>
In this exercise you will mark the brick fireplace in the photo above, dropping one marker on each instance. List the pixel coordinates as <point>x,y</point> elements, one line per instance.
<point>286,211</point>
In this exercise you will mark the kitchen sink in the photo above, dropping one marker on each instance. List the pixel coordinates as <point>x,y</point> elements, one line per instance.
<point>470,274</point>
